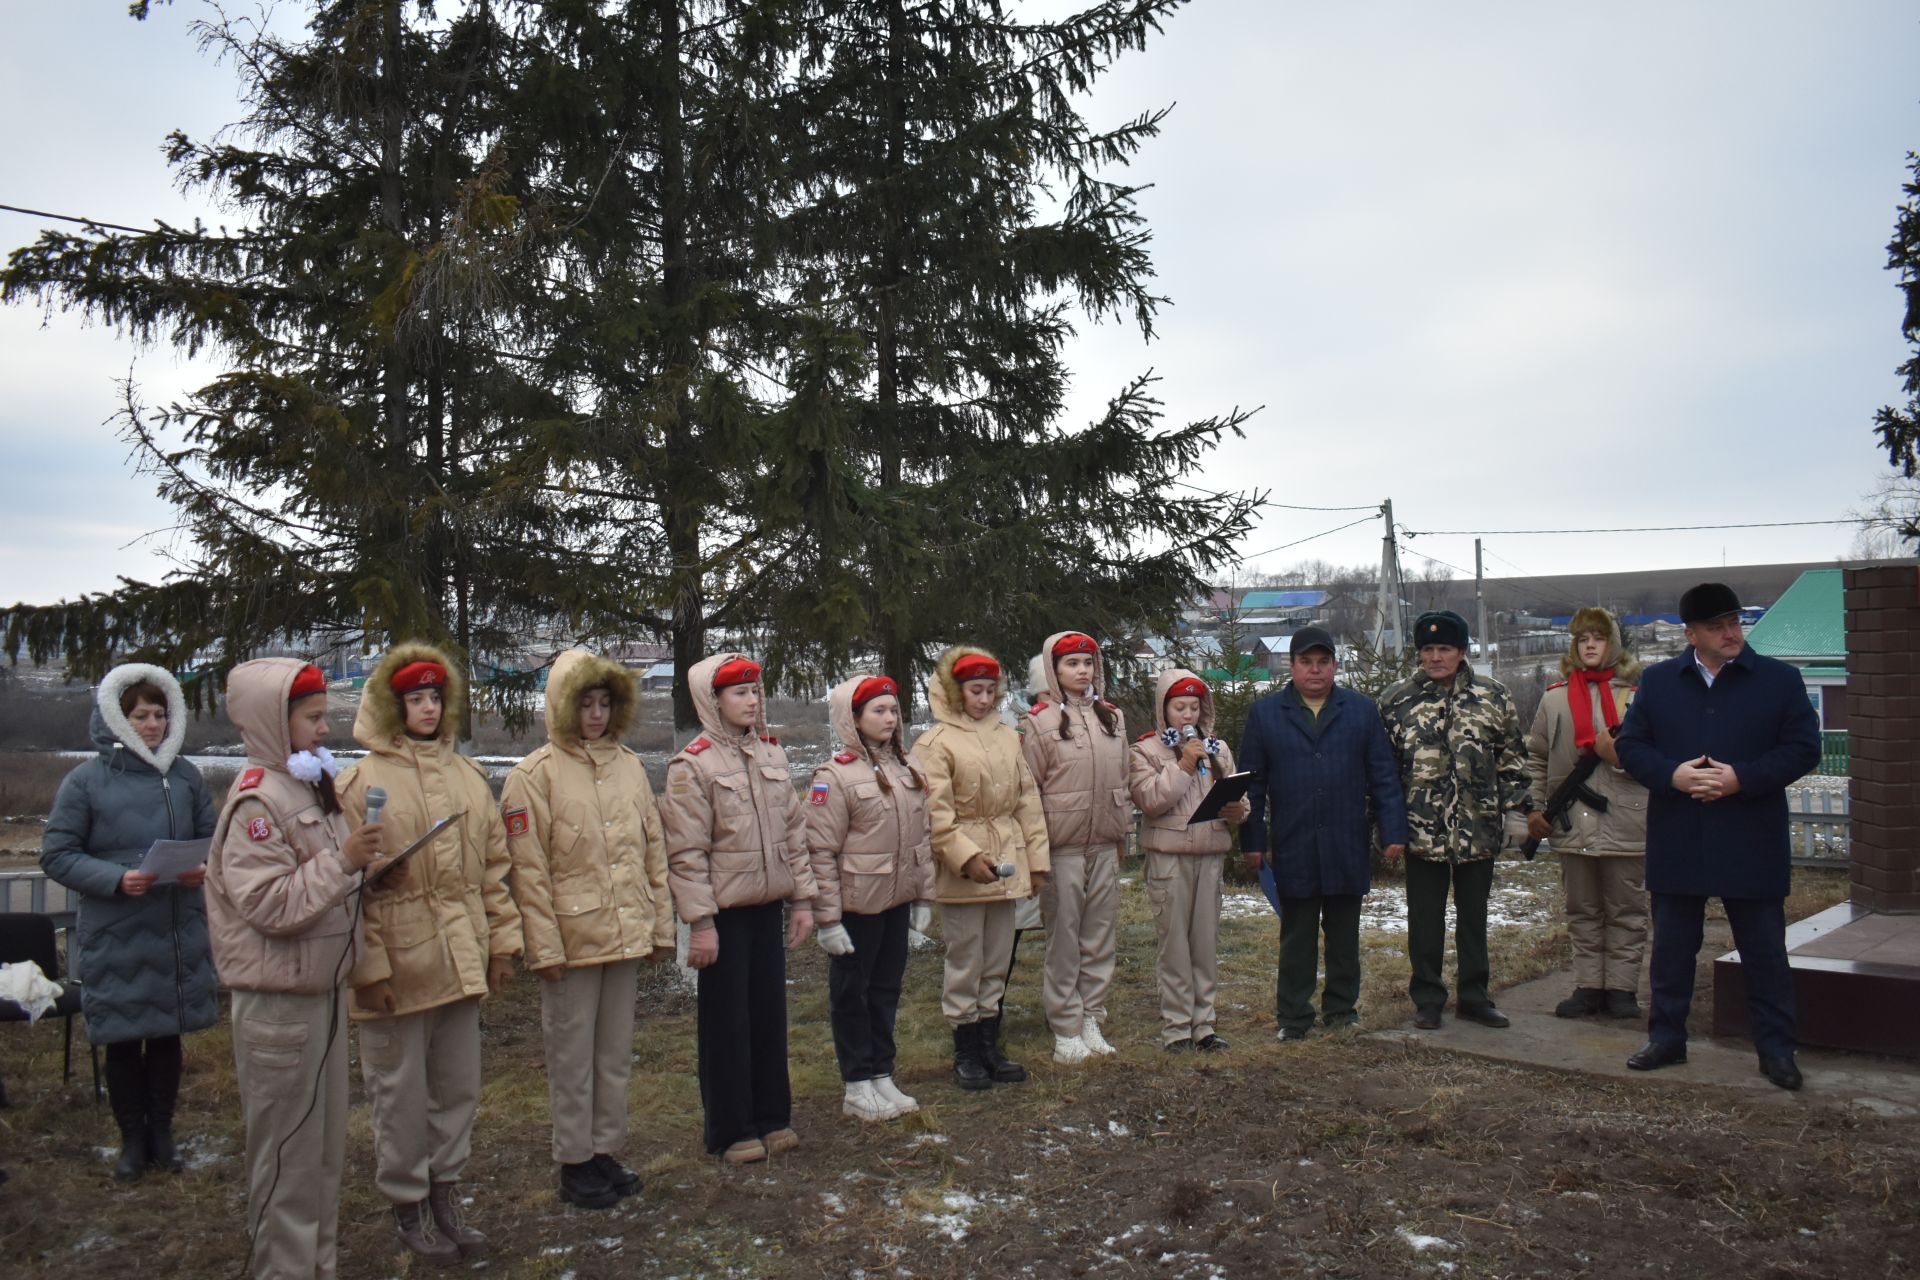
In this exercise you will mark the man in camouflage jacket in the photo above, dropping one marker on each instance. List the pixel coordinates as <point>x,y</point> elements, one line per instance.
<point>1464,766</point>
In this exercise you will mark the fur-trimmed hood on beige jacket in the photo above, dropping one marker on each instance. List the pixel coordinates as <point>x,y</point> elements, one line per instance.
<point>589,854</point>
<point>867,827</point>
<point>1166,793</point>
<point>1083,774</point>
<point>981,796</point>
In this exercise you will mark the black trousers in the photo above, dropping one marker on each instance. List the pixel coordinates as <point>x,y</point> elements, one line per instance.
<point>1427,883</point>
<point>744,1089</point>
<point>1760,932</point>
<point>143,1078</point>
<point>1301,922</point>
<point>864,989</point>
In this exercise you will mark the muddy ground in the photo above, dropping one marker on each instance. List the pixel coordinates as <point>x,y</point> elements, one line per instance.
<point>1342,1157</point>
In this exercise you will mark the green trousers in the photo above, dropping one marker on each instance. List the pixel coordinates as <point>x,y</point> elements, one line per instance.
<point>1301,923</point>
<point>1427,884</point>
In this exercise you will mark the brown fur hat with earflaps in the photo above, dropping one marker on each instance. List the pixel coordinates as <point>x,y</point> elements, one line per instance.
<point>1595,620</point>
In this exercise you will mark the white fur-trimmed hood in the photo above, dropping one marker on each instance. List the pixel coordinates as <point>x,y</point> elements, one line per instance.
<point>112,729</point>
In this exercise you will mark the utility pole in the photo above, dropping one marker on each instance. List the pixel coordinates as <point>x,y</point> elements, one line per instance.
<point>1480,605</point>
<point>1386,608</point>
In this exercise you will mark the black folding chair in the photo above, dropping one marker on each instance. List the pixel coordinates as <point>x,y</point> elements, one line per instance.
<point>27,936</point>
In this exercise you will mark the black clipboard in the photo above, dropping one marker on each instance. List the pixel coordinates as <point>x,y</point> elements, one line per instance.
<point>426,838</point>
<point>1224,793</point>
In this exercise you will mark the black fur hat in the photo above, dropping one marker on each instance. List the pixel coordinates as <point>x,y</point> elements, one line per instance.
<point>1707,601</point>
<point>1440,626</point>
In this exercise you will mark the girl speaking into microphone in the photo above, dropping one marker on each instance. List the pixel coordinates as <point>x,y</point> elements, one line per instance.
<point>1169,773</point>
<point>1077,748</point>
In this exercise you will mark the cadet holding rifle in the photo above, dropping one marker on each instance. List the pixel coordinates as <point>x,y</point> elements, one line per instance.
<point>1595,816</point>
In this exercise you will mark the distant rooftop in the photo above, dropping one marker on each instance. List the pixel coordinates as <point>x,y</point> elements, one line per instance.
<point>1808,621</point>
<point>1283,600</point>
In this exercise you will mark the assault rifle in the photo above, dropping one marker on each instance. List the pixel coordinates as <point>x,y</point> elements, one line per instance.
<point>1560,803</point>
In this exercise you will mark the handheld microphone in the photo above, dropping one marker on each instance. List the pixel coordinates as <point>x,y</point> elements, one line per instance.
<point>1187,734</point>
<point>1005,870</point>
<point>376,801</point>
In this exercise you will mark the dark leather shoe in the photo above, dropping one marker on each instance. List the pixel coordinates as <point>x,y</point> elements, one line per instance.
<point>586,1186</point>
<point>1654,1055</point>
<point>1583,1003</point>
<point>1782,1071</point>
<point>624,1181</point>
<point>1427,1017</point>
<point>1484,1014</point>
<point>1292,1035</point>
<point>1212,1044</point>
<point>1623,1004</point>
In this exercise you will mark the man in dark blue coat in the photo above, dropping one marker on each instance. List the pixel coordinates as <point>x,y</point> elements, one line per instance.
<point>1318,753</point>
<point>1716,735</point>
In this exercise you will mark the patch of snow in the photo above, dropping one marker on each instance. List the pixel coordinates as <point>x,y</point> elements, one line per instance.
<point>1420,1244</point>
<point>1118,1130</point>
<point>835,1205</point>
<point>927,1139</point>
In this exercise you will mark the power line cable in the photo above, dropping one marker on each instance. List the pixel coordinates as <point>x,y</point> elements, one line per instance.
<point>1649,528</point>
<point>1311,537</point>
<point>85,222</point>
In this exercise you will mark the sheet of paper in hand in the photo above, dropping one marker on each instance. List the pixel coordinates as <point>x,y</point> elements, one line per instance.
<point>167,859</point>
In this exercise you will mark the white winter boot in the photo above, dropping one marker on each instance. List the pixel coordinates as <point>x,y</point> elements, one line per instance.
<point>889,1092</point>
<point>1091,1037</point>
<point>863,1103</point>
<point>1070,1049</point>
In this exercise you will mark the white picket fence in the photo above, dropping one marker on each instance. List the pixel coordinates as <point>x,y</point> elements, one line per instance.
<point>1817,824</point>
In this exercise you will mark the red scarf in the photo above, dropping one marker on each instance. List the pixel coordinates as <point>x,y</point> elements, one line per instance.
<point>1580,698</point>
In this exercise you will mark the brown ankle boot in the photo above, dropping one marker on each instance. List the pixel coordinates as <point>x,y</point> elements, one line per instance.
<point>444,1197</point>
<point>414,1223</point>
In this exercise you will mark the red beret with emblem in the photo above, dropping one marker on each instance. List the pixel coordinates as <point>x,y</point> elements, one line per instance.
<point>1074,642</point>
<point>976,666</point>
<point>1191,687</point>
<point>736,671</point>
<point>308,680</point>
<point>418,675</point>
<point>873,687</point>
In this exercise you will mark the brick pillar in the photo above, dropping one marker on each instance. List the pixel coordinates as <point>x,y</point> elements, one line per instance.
<point>1883,697</point>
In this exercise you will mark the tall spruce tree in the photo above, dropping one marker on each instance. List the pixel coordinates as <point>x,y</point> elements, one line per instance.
<point>956,217</point>
<point>353,471</point>
<point>1899,427</point>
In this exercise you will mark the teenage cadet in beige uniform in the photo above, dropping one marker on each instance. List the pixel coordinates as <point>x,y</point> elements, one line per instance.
<point>736,852</point>
<point>1168,776</point>
<point>280,876</point>
<point>985,815</point>
<point>872,857</point>
<point>442,932</point>
<point>1077,749</point>
<point>590,877</point>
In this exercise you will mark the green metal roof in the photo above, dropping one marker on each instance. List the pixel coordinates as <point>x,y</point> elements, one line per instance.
<point>1808,621</point>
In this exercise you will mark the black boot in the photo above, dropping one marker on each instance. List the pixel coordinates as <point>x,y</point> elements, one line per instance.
<point>1003,1070</point>
<point>969,1069</point>
<point>1583,1003</point>
<point>163,1091</point>
<point>1623,1004</point>
<point>127,1093</point>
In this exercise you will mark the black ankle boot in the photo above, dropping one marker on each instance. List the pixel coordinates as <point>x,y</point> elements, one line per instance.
<point>127,1092</point>
<point>163,1092</point>
<point>969,1069</point>
<point>1004,1070</point>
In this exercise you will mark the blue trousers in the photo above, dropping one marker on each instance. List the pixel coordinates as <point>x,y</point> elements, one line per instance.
<point>1759,931</point>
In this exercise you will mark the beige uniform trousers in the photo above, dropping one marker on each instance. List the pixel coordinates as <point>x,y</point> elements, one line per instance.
<point>1184,891</point>
<point>587,1021</point>
<point>1606,918</point>
<point>1081,905</point>
<point>422,1073</point>
<point>284,1065</point>
<point>979,938</point>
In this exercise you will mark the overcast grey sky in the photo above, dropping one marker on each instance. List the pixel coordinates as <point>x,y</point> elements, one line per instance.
<point>1514,265</point>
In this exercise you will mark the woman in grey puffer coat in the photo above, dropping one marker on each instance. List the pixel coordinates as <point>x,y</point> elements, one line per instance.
<point>144,957</point>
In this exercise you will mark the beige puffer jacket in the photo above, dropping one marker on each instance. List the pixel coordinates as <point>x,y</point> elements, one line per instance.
<point>981,797</point>
<point>1168,794</point>
<point>871,845</point>
<point>736,832</point>
<point>589,855</point>
<point>277,885</point>
<point>430,936</point>
<point>1551,755</point>
<point>1083,780</point>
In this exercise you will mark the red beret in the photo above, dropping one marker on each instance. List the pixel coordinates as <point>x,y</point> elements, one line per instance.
<point>976,666</point>
<point>309,679</point>
<point>418,675</point>
<point>737,671</point>
<point>873,687</point>
<point>1188,688</point>
<point>1074,642</point>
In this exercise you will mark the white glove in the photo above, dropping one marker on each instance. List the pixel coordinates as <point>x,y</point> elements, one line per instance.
<point>834,940</point>
<point>919,916</point>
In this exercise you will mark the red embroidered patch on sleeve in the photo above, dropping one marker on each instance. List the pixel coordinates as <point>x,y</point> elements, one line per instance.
<point>260,829</point>
<point>820,792</point>
<point>517,824</point>
<point>845,757</point>
<point>251,778</point>
<point>698,745</point>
